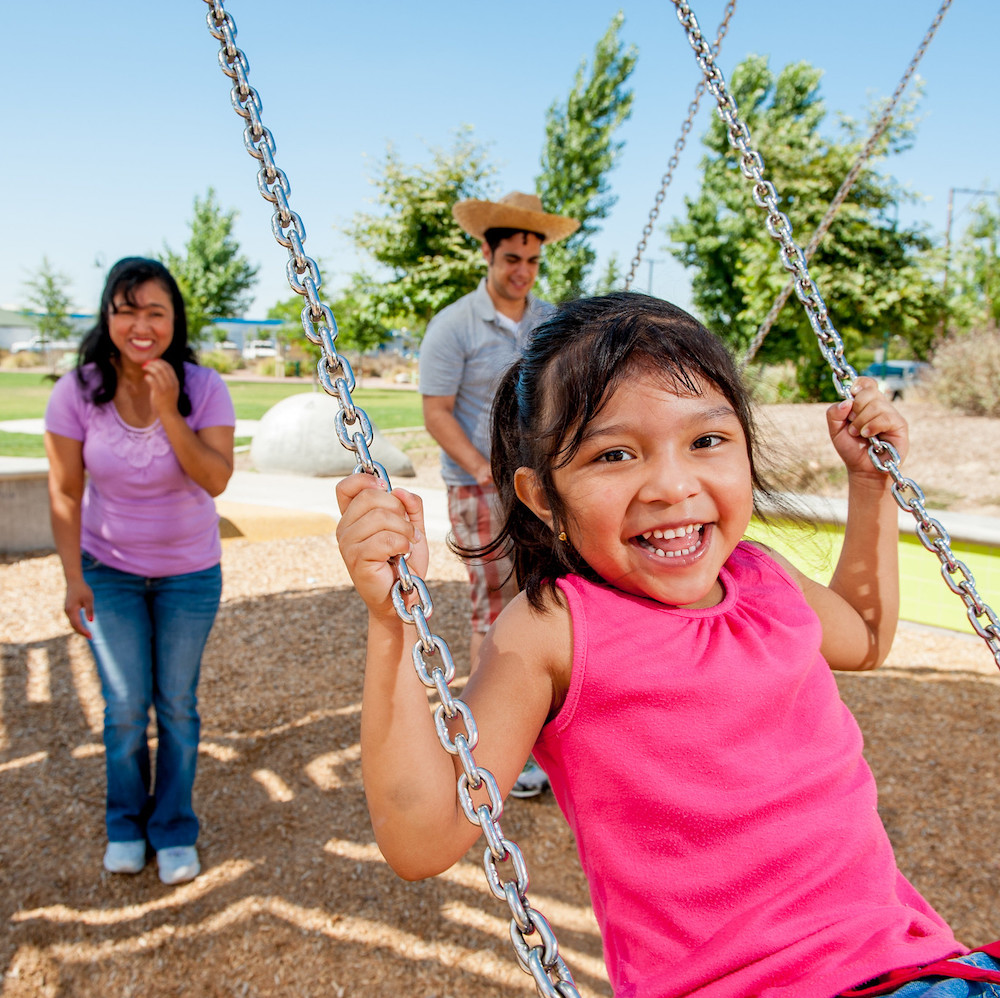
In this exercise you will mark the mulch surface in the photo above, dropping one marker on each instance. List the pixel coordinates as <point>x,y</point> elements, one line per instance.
<point>294,899</point>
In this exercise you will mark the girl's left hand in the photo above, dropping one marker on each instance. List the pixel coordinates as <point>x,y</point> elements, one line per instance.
<point>855,420</point>
<point>164,389</point>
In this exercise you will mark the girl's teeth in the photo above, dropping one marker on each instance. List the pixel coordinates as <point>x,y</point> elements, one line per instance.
<point>676,554</point>
<point>669,535</point>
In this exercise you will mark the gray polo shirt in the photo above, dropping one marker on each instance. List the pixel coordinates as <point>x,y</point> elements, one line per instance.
<point>465,351</point>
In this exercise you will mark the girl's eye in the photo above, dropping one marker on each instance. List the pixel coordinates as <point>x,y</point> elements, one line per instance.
<point>615,456</point>
<point>707,441</point>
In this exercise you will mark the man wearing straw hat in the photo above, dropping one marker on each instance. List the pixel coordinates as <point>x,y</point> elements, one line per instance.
<point>468,345</point>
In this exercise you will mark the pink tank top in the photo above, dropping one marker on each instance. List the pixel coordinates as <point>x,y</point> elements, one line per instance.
<point>725,818</point>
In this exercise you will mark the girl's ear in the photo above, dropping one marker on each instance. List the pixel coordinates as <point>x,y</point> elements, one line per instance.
<point>530,491</point>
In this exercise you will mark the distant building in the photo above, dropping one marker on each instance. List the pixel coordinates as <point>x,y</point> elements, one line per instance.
<point>17,327</point>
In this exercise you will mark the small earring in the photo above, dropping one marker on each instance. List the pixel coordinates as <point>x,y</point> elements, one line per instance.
<point>562,536</point>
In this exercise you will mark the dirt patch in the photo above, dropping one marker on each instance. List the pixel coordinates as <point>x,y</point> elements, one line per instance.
<point>295,900</point>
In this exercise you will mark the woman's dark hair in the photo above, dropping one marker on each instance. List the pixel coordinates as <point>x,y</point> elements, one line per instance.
<point>572,365</point>
<point>123,279</point>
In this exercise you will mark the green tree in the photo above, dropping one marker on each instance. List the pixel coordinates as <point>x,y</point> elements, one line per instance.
<point>872,272</point>
<point>579,153</point>
<point>48,294</point>
<point>358,311</point>
<point>611,279</point>
<point>974,273</point>
<point>214,278</point>
<point>430,262</point>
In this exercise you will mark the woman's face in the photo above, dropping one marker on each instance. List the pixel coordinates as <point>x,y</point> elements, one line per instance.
<point>143,328</point>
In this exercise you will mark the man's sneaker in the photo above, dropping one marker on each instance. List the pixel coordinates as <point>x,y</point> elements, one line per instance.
<point>178,864</point>
<point>125,857</point>
<point>531,782</point>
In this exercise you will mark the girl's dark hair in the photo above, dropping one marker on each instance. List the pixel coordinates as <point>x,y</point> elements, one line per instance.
<point>572,365</point>
<point>123,279</point>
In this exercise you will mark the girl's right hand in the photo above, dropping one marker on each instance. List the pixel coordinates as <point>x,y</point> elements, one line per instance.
<point>79,604</point>
<point>376,525</point>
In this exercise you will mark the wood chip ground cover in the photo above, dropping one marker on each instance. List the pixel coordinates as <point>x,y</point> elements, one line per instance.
<point>295,900</point>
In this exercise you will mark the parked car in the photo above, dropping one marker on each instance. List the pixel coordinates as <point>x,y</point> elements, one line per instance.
<point>894,376</point>
<point>39,344</point>
<point>36,344</point>
<point>254,349</point>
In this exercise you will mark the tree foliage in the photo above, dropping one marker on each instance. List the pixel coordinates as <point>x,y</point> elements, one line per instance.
<point>49,295</point>
<point>360,325</point>
<point>579,152</point>
<point>430,262</point>
<point>974,273</point>
<point>214,278</point>
<point>870,270</point>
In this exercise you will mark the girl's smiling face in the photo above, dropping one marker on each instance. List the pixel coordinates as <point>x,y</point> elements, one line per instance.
<point>659,493</point>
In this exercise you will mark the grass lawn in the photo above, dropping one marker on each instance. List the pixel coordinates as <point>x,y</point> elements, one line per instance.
<point>388,408</point>
<point>24,394</point>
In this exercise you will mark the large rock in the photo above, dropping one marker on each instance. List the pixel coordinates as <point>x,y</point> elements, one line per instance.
<point>298,436</point>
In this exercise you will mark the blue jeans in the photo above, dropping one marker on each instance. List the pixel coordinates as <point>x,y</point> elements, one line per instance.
<point>936,987</point>
<point>148,638</point>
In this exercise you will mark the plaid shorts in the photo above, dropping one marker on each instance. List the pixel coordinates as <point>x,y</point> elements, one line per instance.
<point>475,521</point>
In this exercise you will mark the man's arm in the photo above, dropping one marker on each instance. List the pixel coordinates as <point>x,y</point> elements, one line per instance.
<point>439,418</point>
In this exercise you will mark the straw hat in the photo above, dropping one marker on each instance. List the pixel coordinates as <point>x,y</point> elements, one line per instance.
<point>513,211</point>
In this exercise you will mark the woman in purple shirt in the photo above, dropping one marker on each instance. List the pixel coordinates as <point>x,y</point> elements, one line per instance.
<point>139,440</point>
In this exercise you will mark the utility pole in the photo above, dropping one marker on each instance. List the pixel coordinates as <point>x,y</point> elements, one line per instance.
<point>952,191</point>
<point>649,286</point>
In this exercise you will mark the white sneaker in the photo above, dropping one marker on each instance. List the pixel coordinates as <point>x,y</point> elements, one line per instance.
<point>125,857</point>
<point>531,782</point>
<point>178,864</point>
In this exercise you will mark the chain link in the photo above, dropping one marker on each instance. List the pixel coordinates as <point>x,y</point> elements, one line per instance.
<point>845,187</point>
<point>907,494</point>
<point>534,942</point>
<point>679,145</point>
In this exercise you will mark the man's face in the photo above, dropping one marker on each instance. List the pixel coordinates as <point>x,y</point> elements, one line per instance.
<point>513,266</point>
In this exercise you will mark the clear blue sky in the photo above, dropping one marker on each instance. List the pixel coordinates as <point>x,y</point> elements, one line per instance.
<point>117,115</point>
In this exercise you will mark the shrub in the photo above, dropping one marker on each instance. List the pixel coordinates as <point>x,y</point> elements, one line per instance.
<point>773,383</point>
<point>967,373</point>
<point>219,360</point>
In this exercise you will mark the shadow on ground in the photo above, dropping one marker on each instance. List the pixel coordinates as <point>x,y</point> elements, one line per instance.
<point>295,899</point>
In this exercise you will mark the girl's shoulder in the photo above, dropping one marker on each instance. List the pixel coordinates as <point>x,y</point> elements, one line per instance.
<point>780,569</point>
<point>542,639</point>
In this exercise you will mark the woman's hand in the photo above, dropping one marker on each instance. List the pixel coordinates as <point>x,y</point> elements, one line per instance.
<point>164,389</point>
<point>79,604</point>
<point>855,420</point>
<point>377,525</point>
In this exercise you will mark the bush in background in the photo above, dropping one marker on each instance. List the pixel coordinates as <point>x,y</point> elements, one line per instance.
<point>219,360</point>
<point>967,372</point>
<point>773,383</point>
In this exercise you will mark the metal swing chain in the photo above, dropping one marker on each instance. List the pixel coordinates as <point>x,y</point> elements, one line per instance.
<point>845,187</point>
<point>907,494</point>
<point>534,942</point>
<point>654,212</point>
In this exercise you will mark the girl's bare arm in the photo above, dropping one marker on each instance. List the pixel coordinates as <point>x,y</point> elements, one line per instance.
<point>860,607</point>
<point>410,781</point>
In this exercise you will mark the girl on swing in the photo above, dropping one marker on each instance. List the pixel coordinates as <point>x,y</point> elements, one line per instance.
<point>737,851</point>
